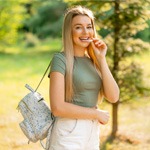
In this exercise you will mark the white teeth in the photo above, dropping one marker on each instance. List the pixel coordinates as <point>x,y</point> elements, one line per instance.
<point>90,40</point>
<point>83,38</point>
<point>86,39</point>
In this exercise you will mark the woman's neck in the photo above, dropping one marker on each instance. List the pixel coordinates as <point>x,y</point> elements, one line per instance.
<point>79,52</point>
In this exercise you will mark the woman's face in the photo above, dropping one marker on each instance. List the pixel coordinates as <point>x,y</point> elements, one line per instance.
<point>82,31</point>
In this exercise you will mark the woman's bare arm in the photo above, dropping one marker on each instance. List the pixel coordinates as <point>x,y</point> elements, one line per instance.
<point>60,108</point>
<point>110,87</point>
<point>111,90</point>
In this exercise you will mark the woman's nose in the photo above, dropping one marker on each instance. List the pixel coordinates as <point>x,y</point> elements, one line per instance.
<point>85,30</point>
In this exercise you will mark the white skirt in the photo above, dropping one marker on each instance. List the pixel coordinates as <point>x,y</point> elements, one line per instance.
<point>74,134</point>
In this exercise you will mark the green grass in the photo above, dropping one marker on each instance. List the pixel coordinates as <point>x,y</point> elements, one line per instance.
<point>20,65</point>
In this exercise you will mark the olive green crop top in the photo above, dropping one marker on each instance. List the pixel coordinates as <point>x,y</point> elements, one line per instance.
<point>86,81</point>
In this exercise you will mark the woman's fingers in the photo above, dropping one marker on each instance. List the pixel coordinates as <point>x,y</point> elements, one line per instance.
<point>99,43</point>
<point>103,117</point>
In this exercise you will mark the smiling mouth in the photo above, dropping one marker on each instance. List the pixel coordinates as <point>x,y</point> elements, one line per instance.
<point>86,39</point>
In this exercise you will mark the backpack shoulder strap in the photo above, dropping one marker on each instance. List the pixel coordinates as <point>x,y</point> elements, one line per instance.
<point>43,77</point>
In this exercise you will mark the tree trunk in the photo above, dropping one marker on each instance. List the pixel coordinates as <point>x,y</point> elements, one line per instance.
<point>115,68</point>
<point>114,119</point>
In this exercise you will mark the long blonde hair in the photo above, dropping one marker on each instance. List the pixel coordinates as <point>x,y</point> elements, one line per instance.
<point>68,47</point>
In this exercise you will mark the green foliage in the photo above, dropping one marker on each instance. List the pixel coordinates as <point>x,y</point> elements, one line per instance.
<point>131,19</point>
<point>132,74</point>
<point>47,19</point>
<point>11,16</point>
<point>144,34</point>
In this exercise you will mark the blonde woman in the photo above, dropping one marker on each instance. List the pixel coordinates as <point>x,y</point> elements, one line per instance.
<point>77,75</point>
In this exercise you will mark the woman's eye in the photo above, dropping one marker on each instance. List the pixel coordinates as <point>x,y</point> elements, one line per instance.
<point>78,27</point>
<point>90,27</point>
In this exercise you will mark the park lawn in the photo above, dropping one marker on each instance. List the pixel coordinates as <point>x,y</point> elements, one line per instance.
<point>20,65</point>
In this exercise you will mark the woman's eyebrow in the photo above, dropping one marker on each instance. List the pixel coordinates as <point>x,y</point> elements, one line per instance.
<point>82,24</point>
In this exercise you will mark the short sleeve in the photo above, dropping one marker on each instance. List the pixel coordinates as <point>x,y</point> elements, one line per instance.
<point>58,63</point>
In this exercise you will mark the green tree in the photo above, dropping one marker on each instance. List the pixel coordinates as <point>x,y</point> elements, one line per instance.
<point>11,16</point>
<point>45,17</point>
<point>119,21</point>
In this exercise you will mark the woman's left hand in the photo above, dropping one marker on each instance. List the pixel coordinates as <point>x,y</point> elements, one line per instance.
<point>99,47</point>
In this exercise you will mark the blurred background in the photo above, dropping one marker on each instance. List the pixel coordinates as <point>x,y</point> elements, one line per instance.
<point>30,33</point>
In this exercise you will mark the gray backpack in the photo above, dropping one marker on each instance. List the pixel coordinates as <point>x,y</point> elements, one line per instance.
<point>38,119</point>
